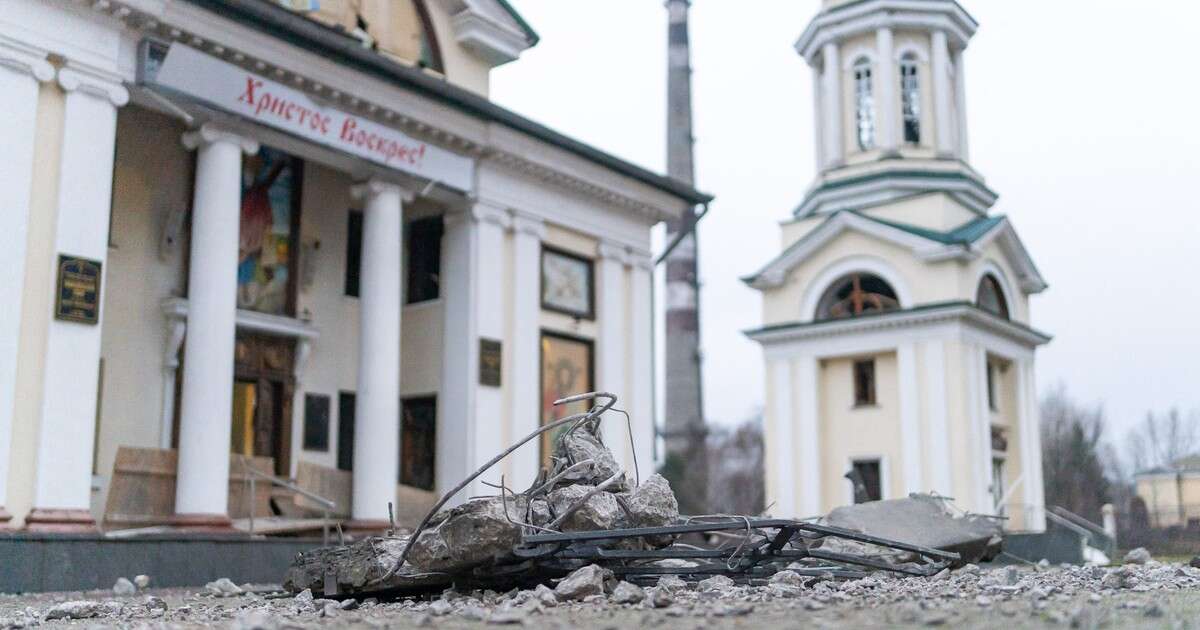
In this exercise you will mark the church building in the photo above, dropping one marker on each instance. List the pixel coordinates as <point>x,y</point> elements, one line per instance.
<point>295,240</point>
<point>896,329</point>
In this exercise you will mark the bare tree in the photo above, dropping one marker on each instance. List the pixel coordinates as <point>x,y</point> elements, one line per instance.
<point>1074,458</point>
<point>1161,440</point>
<point>736,469</point>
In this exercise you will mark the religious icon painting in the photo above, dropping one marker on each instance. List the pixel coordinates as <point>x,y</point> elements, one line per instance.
<point>566,370</point>
<point>268,231</point>
<point>567,284</point>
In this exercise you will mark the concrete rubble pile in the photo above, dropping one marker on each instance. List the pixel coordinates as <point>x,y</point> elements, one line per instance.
<point>585,510</point>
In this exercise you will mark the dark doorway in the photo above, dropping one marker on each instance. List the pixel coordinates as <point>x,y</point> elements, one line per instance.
<point>345,452</point>
<point>262,400</point>
<point>866,479</point>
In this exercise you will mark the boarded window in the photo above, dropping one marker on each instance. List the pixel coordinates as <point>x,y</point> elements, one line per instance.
<point>418,442</point>
<point>354,228</point>
<point>424,259</point>
<point>864,382</point>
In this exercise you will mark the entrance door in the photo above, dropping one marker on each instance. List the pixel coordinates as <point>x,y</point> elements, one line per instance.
<point>262,400</point>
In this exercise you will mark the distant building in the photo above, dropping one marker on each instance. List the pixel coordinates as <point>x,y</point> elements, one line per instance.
<point>1172,494</point>
<point>896,318</point>
<point>299,232</point>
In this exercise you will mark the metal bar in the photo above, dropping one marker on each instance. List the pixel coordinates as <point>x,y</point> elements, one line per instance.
<point>834,556</point>
<point>848,534</point>
<point>634,532</point>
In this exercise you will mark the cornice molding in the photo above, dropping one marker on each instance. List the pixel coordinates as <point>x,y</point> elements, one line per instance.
<point>25,59</point>
<point>493,42</point>
<point>210,133</point>
<point>93,82</point>
<point>840,23</point>
<point>609,195</point>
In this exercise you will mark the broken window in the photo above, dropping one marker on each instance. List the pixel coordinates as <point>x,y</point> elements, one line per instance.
<point>910,98</point>
<point>857,294</point>
<point>990,298</point>
<point>864,104</point>
<point>424,259</point>
<point>418,441</point>
<point>865,476</point>
<point>864,383</point>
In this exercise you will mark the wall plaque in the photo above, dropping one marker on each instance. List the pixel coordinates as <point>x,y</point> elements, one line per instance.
<point>78,297</point>
<point>489,362</point>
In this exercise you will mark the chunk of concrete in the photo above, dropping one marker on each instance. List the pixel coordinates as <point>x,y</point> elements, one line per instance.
<point>1138,555</point>
<point>599,512</point>
<point>652,504</point>
<point>582,583</point>
<point>582,445</point>
<point>468,535</point>
<point>925,520</point>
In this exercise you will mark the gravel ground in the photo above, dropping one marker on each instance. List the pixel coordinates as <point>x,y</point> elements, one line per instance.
<point>1152,595</point>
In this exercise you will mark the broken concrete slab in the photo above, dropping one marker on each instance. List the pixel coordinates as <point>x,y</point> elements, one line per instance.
<point>583,582</point>
<point>468,535</point>
<point>925,520</point>
<point>600,511</point>
<point>584,445</point>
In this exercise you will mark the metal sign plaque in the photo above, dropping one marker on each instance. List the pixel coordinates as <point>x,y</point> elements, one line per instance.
<point>489,362</point>
<point>78,295</point>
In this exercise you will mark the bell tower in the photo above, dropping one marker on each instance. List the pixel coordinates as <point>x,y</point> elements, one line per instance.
<point>890,105</point>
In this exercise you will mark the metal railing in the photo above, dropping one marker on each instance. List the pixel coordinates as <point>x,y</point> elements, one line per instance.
<point>327,505</point>
<point>1096,536</point>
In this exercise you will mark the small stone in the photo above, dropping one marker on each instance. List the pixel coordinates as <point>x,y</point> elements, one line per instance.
<point>473,612</point>
<point>970,569</point>
<point>545,596</point>
<point>672,583</point>
<point>254,620</point>
<point>787,577</point>
<point>223,587</point>
<point>940,576</point>
<point>142,581</point>
<point>626,593</point>
<point>716,583</point>
<point>1195,563</point>
<point>82,609</point>
<point>784,591</point>
<point>123,587</point>
<point>1010,575</point>
<point>348,604</point>
<point>983,600</point>
<point>440,608</point>
<point>582,583</point>
<point>661,597</point>
<point>153,604</point>
<point>1138,556</point>
<point>1043,564</point>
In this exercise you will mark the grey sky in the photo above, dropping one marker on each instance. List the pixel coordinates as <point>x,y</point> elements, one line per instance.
<point>1082,113</point>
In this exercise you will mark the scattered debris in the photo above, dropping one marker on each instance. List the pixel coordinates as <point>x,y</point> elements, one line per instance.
<point>142,581</point>
<point>81,609</point>
<point>587,523</point>
<point>223,587</point>
<point>124,587</point>
<point>1138,555</point>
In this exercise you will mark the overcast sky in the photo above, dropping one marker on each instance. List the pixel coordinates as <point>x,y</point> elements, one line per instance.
<point>1083,116</point>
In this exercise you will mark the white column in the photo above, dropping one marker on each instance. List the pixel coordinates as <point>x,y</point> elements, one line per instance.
<point>377,400</point>
<point>612,336</point>
<point>807,376</point>
<point>1031,447</point>
<point>979,431</point>
<point>783,441</point>
<point>910,422</point>
<point>960,96</point>
<point>832,91</point>
<point>641,340</point>
<point>472,289</point>
<point>202,484</point>
<point>63,488</point>
<point>942,94</point>
<point>818,119</point>
<point>889,80</point>
<point>524,379</point>
<point>934,377</point>
<point>21,70</point>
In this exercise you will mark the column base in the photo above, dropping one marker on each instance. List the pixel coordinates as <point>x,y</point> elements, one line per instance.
<point>5,518</point>
<point>60,521</point>
<point>216,523</point>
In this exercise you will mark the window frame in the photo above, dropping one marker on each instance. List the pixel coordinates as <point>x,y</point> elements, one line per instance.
<point>353,254</point>
<point>990,282</point>
<point>411,251</point>
<point>910,98</point>
<point>865,126</point>
<point>865,394</point>
<point>405,404</point>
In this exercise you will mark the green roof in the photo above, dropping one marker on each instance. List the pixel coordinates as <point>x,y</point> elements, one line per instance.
<point>962,235</point>
<point>530,34</point>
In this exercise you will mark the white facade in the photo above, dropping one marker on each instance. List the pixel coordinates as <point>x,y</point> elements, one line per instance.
<point>896,318</point>
<point>107,161</point>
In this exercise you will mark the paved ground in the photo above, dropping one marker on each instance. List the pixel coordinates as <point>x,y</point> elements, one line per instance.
<point>1153,595</point>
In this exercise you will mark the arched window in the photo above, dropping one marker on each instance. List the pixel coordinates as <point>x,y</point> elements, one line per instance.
<point>910,98</point>
<point>864,104</point>
<point>990,297</point>
<point>857,294</point>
